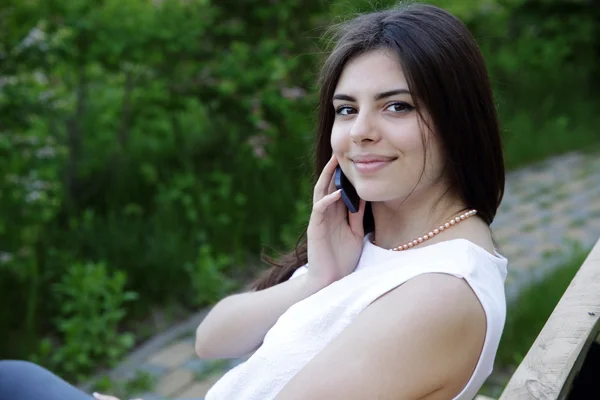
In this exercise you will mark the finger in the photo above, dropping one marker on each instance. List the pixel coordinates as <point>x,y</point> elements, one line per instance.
<point>322,205</point>
<point>322,185</point>
<point>331,187</point>
<point>356,219</point>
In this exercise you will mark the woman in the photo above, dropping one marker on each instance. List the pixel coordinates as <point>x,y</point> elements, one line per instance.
<point>406,111</point>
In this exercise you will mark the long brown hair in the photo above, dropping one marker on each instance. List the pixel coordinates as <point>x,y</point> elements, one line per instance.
<point>446,75</point>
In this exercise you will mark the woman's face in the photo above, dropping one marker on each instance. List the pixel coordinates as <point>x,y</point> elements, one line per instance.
<point>375,119</point>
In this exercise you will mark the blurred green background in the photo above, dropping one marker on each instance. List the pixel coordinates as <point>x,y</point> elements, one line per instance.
<point>150,149</point>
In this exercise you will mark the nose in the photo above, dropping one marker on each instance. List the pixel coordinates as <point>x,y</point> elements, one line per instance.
<point>363,128</point>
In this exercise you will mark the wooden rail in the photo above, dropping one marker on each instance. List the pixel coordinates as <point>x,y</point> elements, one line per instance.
<point>550,367</point>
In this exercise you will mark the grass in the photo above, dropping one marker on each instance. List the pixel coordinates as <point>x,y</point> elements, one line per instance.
<point>526,317</point>
<point>142,382</point>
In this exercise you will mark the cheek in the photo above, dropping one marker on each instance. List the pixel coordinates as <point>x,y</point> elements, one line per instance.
<point>434,160</point>
<point>338,139</point>
<point>408,139</point>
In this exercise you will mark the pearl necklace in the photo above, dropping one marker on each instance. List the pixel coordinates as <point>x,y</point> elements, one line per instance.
<point>431,234</point>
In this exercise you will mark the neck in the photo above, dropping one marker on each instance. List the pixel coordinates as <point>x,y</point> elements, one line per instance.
<point>400,221</point>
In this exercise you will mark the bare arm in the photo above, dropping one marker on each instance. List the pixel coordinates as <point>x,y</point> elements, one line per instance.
<point>427,350</point>
<point>238,324</point>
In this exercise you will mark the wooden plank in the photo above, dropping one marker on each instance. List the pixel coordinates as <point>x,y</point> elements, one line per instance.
<point>548,369</point>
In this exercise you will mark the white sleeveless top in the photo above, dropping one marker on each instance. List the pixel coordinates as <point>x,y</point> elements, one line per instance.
<point>309,325</point>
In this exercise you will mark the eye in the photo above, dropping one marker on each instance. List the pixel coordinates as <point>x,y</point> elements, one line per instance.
<point>344,110</point>
<point>400,107</point>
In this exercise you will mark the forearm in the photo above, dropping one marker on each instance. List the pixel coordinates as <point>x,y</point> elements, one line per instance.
<point>238,324</point>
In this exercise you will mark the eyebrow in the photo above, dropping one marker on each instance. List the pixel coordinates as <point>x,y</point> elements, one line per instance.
<point>377,97</point>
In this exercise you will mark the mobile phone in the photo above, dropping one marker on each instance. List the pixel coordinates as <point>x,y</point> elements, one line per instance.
<point>348,193</point>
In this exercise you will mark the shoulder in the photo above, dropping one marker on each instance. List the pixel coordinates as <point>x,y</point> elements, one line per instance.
<point>478,232</point>
<point>433,291</point>
<point>474,230</point>
<point>442,317</point>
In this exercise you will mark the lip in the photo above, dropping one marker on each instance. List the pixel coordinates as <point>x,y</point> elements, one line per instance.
<point>370,167</point>
<point>368,158</point>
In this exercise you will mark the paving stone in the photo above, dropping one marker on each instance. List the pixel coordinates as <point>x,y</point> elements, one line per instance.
<point>174,382</point>
<point>196,364</point>
<point>504,236</point>
<point>149,396</point>
<point>563,206</point>
<point>528,263</point>
<point>191,339</point>
<point>199,389</point>
<point>528,240</point>
<point>561,222</point>
<point>509,200</point>
<point>524,211</point>
<point>235,362</point>
<point>595,206</point>
<point>173,355</point>
<point>580,235</point>
<point>544,250</point>
<point>593,226</point>
<point>510,249</point>
<point>154,370</point>
<point>501,221</point>
<point>594,187</point>
<point>594,165</point>
<point>577,186</point>
<point>530,224</point>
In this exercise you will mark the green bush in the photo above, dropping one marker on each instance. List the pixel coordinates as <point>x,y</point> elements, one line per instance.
<point>87,323</point>
<point>144,134</point>
<point>171,140</point>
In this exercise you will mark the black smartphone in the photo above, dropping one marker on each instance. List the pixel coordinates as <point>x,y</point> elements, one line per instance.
<point>348,193</point>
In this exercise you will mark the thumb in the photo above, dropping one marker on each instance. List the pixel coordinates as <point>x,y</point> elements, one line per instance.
<point>100,396</point>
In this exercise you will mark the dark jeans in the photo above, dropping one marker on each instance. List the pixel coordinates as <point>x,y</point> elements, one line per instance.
<point>23,380</point>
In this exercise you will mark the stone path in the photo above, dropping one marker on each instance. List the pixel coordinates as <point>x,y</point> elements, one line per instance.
<point>548,208</point>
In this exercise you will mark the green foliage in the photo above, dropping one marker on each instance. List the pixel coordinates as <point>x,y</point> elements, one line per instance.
<point>91,309</point>
<point>542,71</point>
<point>149,135</point>
<point>208,280</point>
<point>172,140</point>
<point>141,383</point>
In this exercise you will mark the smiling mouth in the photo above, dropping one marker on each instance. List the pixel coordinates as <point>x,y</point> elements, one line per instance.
<point>371,166</point>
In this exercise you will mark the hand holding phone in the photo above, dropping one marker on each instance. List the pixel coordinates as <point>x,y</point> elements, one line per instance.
<point>335,233</point>
<point>349,195</point>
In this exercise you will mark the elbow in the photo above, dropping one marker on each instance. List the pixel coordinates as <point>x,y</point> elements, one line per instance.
<point>202,343</point>
<point>200,347</point>
<point>202,352</point>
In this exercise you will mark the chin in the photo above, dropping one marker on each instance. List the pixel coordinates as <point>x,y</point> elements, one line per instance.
<point>370,195</point>
<point>378,196</point>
